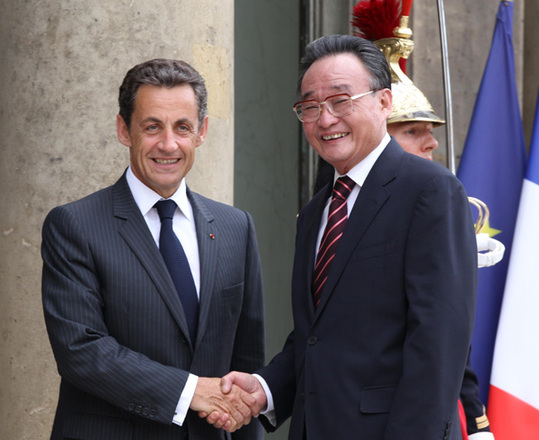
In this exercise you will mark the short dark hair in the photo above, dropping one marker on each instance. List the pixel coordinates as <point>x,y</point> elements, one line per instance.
<point>162,73</point>
<point>367,52</point>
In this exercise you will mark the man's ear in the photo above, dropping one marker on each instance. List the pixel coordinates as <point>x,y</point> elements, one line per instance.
<point>201,136</point>
<point>122,131</point>
<point>386,101</point>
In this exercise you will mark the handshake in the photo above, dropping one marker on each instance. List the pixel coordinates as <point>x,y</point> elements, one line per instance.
<point>229,402</point>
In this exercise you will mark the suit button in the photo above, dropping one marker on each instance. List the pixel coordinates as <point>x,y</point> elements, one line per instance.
<point>131,407</point>
<point>312,340</point>
<point>138,409</point>
<point>447,431</point>
<point>153,413</point>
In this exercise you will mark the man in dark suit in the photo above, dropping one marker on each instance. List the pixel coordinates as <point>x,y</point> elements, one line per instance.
<point>382,329</point>
<point>137,358</point>
<point>411,123</point>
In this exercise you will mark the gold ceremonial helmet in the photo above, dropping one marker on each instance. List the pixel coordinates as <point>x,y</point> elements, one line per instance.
<point>409,103</point>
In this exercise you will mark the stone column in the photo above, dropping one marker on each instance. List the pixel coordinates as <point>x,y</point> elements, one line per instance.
<point>61,63</point>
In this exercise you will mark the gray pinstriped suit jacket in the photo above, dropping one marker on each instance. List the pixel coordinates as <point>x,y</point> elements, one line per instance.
<point>116,323</point>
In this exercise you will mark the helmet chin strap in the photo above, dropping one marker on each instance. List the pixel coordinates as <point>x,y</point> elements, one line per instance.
<point>490,251</point>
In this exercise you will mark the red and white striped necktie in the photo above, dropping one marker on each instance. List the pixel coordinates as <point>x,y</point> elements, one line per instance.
<point>337,217</point>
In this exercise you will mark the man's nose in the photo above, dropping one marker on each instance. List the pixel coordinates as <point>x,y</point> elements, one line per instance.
<point>168,140</point>
<point>431,143</point>
<point>326,117</point>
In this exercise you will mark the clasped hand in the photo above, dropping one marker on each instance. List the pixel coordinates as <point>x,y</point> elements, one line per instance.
<point>230,402</point>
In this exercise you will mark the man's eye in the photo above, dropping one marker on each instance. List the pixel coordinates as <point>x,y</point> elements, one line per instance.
<point>184,130</point>
<point>152,127</point>
<point>339,101</point>
<point>309,106</point>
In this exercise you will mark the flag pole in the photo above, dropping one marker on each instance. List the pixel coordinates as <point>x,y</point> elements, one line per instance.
<point>447,89</point>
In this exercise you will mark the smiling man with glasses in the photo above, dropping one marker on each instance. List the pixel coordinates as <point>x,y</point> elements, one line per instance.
<point>383,288</point>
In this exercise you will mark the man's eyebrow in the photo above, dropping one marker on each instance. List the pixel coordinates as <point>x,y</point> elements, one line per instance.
<point>343,88</point>
<point>183,121</point>
<point>150,119</point>
<point>157,120</point>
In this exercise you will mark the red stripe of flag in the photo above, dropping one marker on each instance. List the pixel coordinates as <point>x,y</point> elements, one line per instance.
<point>511,418</point>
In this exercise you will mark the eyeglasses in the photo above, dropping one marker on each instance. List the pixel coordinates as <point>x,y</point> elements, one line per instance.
<point>338,105</point>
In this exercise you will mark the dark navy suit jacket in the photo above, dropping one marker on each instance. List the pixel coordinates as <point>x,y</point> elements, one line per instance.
<point>117,326</point>
<point>383,355</point>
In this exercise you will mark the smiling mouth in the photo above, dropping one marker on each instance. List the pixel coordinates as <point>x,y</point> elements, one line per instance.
<point>331,137</point>
<point>166,161</point>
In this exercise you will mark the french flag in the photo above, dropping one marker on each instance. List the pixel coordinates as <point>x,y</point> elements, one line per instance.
<point>513,405</point>
<point>492,168</point>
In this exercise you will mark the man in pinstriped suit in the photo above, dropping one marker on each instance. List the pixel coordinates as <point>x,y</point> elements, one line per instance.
<point>129,369</point>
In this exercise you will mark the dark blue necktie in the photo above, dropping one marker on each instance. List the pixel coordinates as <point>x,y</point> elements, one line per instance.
<point>178,266</point>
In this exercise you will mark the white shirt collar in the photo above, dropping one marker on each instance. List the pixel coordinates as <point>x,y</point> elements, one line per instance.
<point>360,172</point>
<point>146,198</point>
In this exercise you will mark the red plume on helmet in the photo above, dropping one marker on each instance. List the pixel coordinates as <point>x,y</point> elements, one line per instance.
<point>378,19</point>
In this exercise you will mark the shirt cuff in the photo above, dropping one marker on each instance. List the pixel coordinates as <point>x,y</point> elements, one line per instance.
<point>185,400</point>
<point>269,411</point>
<point>481,436</point>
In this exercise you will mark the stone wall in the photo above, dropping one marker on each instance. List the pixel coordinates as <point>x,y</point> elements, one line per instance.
<point>61,63</point>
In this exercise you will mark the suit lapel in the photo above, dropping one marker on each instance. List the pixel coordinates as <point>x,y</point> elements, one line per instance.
<point>371,198</point>
<point>312,216</point>
<point>208,249</point>
<point>134,230</point>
